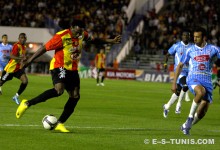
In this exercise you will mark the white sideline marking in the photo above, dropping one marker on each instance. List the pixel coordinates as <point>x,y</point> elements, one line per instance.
<point>31,125</point>
<point>108,128</point>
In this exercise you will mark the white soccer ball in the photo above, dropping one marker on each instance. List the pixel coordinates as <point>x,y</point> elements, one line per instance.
<point>49,122</point>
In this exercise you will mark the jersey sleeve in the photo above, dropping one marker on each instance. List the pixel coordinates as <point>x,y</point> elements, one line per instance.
<point>185,57</point>
<point>54,43</point>
<point>218,52</point>
<point>172,49</point>
<point>15,50</point>
<point>87,37</point>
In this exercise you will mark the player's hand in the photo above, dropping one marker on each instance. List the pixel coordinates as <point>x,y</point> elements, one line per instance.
<point>24,59</point>
<point>117,39</point>
<point>25,63</point>
<point>75,56</point>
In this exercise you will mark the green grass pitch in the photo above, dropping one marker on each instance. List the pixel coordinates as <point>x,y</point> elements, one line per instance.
<point>122,115</point>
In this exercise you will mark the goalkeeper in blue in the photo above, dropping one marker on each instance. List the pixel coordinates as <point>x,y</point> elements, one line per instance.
<point>199,80</point>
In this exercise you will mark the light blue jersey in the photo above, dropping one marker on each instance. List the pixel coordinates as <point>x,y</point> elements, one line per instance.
<point>200,67</point>
<point>5,51</point>
<point>177,50</point>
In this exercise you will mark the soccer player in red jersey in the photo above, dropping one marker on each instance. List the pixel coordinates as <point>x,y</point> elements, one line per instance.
<point>100,66</point>
<point>67,45</point>
<point>13,68</point>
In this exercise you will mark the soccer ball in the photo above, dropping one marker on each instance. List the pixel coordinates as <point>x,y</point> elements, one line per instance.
<point>49,122</point>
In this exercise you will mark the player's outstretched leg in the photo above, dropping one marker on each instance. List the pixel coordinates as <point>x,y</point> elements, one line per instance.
<point>21,108</point>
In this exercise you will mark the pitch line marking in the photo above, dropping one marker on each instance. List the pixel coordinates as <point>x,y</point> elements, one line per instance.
<point>107,128</point>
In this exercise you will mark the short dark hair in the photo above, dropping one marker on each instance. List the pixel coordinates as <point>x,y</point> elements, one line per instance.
<point>4,35</point>
<point>79,23</point>
<point>185,30</point>
<point>22,34</point>
<point>202,30</point>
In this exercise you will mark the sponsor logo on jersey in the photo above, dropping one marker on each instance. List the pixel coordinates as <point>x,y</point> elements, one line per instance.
<point>202,58</point>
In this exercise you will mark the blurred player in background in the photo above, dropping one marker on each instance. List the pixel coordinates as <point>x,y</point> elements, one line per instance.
<point>68,46</point>
<point>5,50</point>
<point>199,80</point>
<point>177,50</point>
<point>100,67</point>
<point>13,68</point>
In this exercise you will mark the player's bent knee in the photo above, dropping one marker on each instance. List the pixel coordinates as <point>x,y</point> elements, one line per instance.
<point>25,82</point>
<point>59,92</point>
<point>185,88</point>
<point>76,96</point>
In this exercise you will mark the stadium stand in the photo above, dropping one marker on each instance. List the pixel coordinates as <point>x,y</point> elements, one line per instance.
<point>162,29</point>
<point>103,19</point>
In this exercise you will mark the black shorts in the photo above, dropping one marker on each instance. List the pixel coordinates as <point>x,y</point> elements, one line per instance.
<point>9,76</point>
<point>218,74</point>
<point>70,79</point>
<point>182,81</point>
<point>100,70</point>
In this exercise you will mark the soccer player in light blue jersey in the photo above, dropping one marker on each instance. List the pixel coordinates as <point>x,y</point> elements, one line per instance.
<point>177,50</point>
<point>200,57</point>
<point>5,50</point>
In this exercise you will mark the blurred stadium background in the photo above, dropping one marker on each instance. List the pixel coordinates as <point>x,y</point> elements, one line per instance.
<point>148,29</point>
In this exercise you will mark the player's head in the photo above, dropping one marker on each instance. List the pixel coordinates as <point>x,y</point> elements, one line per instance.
<point>5,38</point>
<point>22,38</point>
<point>185,35</point>
<point>199,35</point>
<point>77,27</point>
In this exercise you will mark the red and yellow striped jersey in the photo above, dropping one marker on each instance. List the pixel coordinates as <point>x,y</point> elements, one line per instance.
<point>64,45</point>
<point>100,60</point>
<point>14,65</point>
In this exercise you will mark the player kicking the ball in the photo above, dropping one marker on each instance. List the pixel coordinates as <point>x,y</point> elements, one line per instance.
<point>67,44</point>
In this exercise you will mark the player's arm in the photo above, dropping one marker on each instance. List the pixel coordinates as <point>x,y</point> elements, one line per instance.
<point>96,41</point>
<point>176,75</point>
<point>116,40</point>
<point>171,51</point>
<point>12,56</point>
<point>184,59</point>
<point>14,53</point>
<point>37,54</point>
<point>165,61</point>
<point>54,43</point>
<point>96,60</point>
